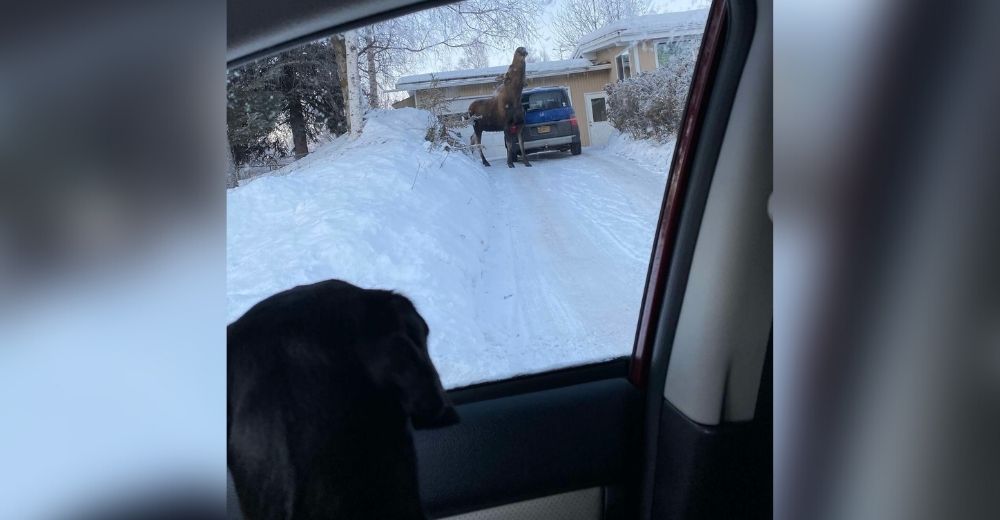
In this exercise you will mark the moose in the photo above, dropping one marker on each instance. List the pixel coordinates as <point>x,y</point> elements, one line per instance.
<point>503,112</point>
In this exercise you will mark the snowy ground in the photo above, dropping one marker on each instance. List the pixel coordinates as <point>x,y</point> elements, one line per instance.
<point>651,155</point>
<point>516,271</point>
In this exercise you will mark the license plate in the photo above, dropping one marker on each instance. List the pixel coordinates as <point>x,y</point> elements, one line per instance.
<point>544,129</point>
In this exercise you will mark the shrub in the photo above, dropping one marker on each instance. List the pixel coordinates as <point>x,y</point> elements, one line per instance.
<point>444,133</point>
<point>650,105</point>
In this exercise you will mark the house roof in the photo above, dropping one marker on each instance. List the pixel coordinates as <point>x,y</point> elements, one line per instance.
<point>649,27</point>
<point>489,74</point>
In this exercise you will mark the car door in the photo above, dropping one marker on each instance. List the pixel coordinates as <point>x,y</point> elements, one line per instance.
<point>616,439</point>
<point>597,442</point>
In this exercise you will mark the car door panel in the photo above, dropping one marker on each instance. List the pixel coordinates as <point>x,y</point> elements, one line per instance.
<point>526,446</point>
<point>584,504</point>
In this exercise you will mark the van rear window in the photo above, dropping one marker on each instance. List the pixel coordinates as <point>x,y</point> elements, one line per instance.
<point>545,100</point>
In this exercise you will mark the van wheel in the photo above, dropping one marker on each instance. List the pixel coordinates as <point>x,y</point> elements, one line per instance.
<point>576,149</point>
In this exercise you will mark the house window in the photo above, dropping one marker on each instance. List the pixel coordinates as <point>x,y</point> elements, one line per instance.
<point>624,66</point>
<point>598,109</point>
<point>669,50</point>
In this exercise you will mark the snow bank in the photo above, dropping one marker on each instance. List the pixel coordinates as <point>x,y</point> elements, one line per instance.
<point>650,154</point>
<point>382,211</point>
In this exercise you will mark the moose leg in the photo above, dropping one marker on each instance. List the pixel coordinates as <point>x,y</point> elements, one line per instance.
<point>478,140</point>
<point>508,141</point>
<point>520,141</point>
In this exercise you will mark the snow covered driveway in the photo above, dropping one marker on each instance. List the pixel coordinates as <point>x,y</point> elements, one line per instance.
<point>563,279</point>
<point>515,270</point>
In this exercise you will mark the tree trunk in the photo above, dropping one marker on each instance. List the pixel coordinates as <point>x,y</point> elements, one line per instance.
<point>372,74</point>
<point>297,120</point>
<point>339,47</point>
<point>296,117</point>
<point>232,179</point>
<point>355,110</point>
<point>340,57</point>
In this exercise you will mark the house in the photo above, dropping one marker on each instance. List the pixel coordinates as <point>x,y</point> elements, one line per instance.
<point>616,51</point>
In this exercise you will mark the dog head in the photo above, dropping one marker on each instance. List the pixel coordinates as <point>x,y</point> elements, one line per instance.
<point>399,363</point>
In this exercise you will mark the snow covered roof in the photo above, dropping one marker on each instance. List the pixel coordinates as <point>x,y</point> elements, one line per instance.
<point>649,27</point>
<point>453,78</point>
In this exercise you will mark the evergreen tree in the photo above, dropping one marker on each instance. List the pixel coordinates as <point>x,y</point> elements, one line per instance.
<point>252,116</point>
<point>297,91</point>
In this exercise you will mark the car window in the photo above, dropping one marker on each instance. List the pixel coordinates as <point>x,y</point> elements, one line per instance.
<point>546,100</point>
<point>357,157</point>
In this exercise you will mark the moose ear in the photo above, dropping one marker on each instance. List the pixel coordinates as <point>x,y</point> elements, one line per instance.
<point>398,365</point>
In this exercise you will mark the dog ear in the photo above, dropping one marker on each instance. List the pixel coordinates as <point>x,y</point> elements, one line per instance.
<point>399,365</point>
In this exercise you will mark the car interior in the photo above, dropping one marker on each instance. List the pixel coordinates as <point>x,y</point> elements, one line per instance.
<point>681,429</point>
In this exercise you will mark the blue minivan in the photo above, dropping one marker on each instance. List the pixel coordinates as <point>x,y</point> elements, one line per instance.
<point>549,121</point>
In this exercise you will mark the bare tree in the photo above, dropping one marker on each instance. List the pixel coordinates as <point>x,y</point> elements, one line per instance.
<point>388,49</point>
<point>576,18</point>
<point>536,55</point>
<point>474,57</point>
<point>369,43</point>
<point>354,102</point>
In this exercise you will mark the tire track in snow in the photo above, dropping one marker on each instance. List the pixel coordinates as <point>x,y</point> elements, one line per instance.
<point>568,256</point>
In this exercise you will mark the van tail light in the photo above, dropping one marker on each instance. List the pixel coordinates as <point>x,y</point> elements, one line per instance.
<point>572,121</point>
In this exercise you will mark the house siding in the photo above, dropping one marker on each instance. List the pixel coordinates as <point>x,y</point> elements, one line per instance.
<point>578,84</point>
<point>647,56</point>
<point>608,56</point>
<point>408,101</point>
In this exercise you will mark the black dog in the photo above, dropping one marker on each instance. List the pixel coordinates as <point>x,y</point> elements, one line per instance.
<point>323,380</point>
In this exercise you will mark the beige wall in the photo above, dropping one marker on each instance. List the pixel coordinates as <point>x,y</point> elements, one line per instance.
<point>405,102</point>
<point>647,56</point>
<point>608,56</point>
<point>643,53</point>
<point>579,84</point>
